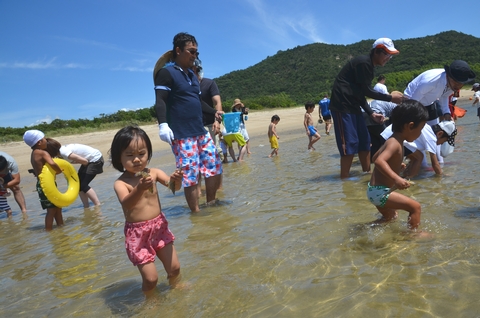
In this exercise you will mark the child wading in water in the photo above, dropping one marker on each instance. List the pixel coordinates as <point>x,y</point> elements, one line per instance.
<point>272,135</point>
<point>312,133</point>
<point>146,228</point>
<point>408,120</point>
<point>36,140</point>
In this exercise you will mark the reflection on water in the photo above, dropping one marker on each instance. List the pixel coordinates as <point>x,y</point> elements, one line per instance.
<point>287,239</point>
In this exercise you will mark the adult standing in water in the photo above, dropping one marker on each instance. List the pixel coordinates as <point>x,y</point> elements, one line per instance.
<point>351,85</point>
<point>179,113</point>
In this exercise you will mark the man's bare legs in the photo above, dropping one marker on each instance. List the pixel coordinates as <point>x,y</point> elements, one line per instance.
<point>346,163</point>
<point>364,157</point>
<point>89,195</point>
<point>211,186</point>
<point>192,197</point>
<point>18,194</point>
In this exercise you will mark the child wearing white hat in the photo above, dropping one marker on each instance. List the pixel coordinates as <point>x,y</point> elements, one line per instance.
<point>35,139</point>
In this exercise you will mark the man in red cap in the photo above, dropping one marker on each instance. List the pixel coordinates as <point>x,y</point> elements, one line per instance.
<point>351,85</point>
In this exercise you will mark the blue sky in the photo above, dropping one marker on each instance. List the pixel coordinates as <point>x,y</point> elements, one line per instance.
<point>78,59</point>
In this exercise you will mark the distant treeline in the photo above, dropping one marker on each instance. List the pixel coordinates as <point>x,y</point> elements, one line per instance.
<point>295,76</point>
<point>75,126</point>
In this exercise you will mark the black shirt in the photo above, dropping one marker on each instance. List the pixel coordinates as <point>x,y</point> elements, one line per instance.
<point>352,84</point>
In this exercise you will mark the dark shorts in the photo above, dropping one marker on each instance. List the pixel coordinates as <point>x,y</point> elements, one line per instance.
<point>478,111</point>
<point>351,133</point>
<point>327,117</point>
<point>92,167</point>
<point>43,198</point>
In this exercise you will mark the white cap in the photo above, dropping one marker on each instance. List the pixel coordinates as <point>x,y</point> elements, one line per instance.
<point>449,145</point>
<point>386,44</point>
<point>31,137</point>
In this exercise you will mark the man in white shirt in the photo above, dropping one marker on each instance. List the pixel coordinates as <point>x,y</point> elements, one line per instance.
<point>380,86</point>
<point>439,84</point>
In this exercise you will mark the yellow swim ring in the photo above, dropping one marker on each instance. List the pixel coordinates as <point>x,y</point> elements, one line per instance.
<point>47,182</point>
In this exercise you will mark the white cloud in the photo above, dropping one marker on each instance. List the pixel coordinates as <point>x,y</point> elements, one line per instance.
<point>41,65</point>
<point>286,27</point>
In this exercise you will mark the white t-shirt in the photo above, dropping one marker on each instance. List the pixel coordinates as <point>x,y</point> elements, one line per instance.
<point>12,166</point>
<point>476,95</point>
<point>430,86</point>
<point>379,87</point>
<point>426,141</point>
<point>84,151</point>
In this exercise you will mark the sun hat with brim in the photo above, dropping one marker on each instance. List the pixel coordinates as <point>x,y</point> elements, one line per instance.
<point>386,44</point>
<point>164,59</point>
<point>236,102</point>
<point>460,72</point>
<point>31,137</point>
<point>448,146</point>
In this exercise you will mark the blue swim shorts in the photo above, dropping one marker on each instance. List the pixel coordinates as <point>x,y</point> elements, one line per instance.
<point>351,133</point>
<point>312,130</point>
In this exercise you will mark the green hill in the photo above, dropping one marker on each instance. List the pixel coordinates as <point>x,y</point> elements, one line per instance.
<point>307,72</point>
<point>292,77</point>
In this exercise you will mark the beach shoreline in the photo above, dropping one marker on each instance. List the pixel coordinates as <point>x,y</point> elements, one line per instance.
<point>291,120</point>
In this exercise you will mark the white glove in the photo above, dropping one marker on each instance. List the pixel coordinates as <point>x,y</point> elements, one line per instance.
<point>165,133</point>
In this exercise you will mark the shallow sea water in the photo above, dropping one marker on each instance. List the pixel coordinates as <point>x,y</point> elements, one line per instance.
<point>287,239</point>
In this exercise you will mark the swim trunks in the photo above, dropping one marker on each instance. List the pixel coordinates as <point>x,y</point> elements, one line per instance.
<point>273,142</point>
<point>351,133</point>
<point>46,204</point>
<point>378,195</point>
<point>312,131</point>
<point>196,155</point>
<point>229,139</point>
<point>144,239</point>
<point>4,204</point>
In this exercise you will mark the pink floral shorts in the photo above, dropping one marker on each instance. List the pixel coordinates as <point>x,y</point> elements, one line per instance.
<point>144,239</point>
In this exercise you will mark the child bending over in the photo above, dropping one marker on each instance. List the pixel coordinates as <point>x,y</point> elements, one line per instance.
<point>408,120</point>
<point>146,229</point>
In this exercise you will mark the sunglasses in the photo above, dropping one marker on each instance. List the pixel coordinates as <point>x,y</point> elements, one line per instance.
<point>387,54</point>
<point>193,52</point>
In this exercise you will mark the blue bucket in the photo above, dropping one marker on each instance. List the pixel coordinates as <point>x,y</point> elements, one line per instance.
<point>231,121</point>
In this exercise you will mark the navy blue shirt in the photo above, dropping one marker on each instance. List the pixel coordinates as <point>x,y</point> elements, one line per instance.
<point>184,106</point>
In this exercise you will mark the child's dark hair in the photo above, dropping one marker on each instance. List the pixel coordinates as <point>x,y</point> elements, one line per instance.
<point>122,140</point>
<point>274,118</point>
<point>3,163</point>
<point>309,105</point>
<point>53,147</point>
<point>407,112</point>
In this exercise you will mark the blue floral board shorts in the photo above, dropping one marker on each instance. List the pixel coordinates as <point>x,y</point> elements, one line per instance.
<point>196,155</point>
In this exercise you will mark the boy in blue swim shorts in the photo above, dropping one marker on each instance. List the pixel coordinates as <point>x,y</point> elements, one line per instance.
<point>408,120</point>
<point>312,133</point>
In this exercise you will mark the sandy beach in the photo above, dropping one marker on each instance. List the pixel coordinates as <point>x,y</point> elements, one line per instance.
<point>291,119</point>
